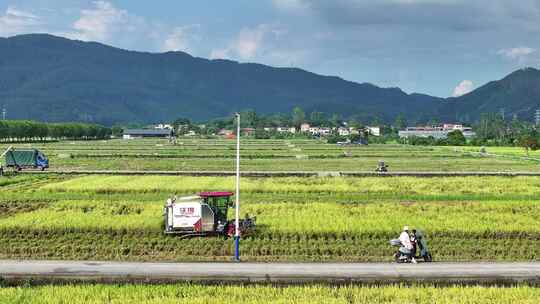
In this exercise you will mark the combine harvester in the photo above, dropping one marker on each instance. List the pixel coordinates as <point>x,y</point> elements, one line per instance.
<point>202,215</point>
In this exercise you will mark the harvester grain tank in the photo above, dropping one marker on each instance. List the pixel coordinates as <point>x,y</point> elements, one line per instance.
<point>203,214</point>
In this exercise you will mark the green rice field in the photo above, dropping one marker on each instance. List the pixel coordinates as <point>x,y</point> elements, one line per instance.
<point>268,155</point>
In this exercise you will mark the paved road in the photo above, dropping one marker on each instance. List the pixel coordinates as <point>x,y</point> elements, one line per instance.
<point>51,271</point>
<point>281,173</point>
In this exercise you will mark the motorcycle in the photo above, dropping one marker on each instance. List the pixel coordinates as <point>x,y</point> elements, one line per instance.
<point>405,255</point>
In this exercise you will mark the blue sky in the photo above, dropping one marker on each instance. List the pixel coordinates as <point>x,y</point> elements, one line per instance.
<point>438,47</point>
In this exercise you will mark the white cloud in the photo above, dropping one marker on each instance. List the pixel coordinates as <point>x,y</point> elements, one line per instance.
<point>100,22</point>
<point>464,87</point>
<point>248,43</point>
<point>220,54</point>
<point>181,38</point>
<point>15,21</point>
<point>14,12</point>
<point>177,40</point>
<point>419,1</point>
<point>291,5</point>
<point>516,53</point>
<point>106,23</point>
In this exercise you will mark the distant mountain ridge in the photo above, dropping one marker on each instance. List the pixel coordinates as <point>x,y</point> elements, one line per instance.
<point>49,78</point>
<point>516,94</point>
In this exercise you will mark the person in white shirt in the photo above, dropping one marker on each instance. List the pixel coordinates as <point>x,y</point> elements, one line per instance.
<point>405,240</point>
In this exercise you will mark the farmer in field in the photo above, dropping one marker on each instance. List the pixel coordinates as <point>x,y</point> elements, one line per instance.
<point>405,240</point>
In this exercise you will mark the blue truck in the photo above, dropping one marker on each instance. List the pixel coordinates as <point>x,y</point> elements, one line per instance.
<point>24,158</point>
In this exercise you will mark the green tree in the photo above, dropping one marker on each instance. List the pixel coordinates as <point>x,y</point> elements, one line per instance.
<point>335,120</point>
<point>181,126</point>
<point>355,123</point>
<point>117,130</point>
<point>4,132</point>
<point>248,119</point>
<point>317,118</point>
<point>529,142</point>
<point>376,121</point>
<point>298,117</point>
<point>401,122</point>
<point>491,127</point>
<point>456,138</point>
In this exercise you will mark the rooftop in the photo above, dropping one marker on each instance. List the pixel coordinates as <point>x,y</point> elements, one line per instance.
<point>147,131</point>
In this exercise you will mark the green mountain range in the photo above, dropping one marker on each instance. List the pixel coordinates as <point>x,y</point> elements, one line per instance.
<point>49,78</point>
<point>516,94</point>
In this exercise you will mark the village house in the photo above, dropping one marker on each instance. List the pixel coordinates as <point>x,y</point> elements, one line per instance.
<point>248,131</point>
<point>325,131</point>
<point>286,130</point>
<point>342,131</point>
<point>146,133</point>
<point>437,132</point>
<point>161,126</point>
<point>375,131</point>
<point>314,130</point>
<point>304,128</point>
<point>354,131</point>
<point>225,132</point>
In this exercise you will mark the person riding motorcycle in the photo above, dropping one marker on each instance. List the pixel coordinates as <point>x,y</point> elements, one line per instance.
<point>406,242</point>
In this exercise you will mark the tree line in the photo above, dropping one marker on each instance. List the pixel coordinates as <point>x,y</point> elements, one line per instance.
<point>26,130</point>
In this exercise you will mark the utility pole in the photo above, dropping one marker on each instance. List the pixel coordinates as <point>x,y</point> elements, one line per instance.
<point>4,113</point>
<point>537,117</point>
<point>502,113</point>
<point>237,196</point>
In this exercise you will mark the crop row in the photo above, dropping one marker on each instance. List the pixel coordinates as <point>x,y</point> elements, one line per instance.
<point>142,246</point>
<point>485,219</point>
<point>374,185</point>
<point>255,294</point>
<point>425,163</point>
<point>244,149</point>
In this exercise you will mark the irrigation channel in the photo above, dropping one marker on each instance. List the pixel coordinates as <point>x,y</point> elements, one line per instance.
<point>285,273</point>
<point>283,173</point>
